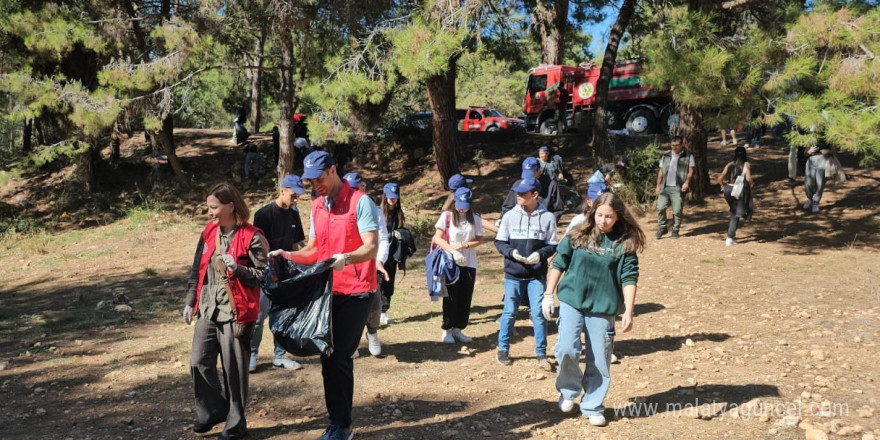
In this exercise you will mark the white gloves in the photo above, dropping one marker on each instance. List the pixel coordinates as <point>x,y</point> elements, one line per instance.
<point>459,258</point>
<point>516,256</point>
<point>534,258</point>
<point>187,314</point>
<point>547,307</point>
<point>338,261</point>
<point>275,253</point>
<point>229,260</point>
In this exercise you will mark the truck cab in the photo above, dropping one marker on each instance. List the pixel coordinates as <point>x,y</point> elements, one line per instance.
<point>562,98</point>
<point>485,119</point>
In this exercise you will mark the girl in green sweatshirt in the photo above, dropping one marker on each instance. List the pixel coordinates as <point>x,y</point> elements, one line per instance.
<point>595,272</point>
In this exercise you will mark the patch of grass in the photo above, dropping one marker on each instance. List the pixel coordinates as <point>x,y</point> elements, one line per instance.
<point>718,261</point>
<point>146,210</point>
<point>149,271</point>
<point>7,176</point>
<point>422,227</point>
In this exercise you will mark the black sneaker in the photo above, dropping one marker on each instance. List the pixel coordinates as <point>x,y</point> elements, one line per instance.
<point>503,357</point>
<point>674,234</point>
<point>660,233</point>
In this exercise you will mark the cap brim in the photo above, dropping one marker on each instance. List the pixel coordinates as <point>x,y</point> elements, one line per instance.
<point>522,189</point>
<point>312,174</point>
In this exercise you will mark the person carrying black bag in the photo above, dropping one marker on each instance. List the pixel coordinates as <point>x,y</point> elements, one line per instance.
<point>344,229</point>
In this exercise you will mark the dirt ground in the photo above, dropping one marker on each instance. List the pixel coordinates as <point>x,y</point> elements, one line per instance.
<point>775,337</point>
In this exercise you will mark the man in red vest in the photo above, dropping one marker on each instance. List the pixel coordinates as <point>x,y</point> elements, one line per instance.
<point>344,228</point>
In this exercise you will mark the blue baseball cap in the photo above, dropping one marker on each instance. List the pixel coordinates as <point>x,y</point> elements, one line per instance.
<point>391,190</point>
<point>293,182</point>
<point>527,184</point>
<point>624,160</point>
<point>529,166</point>
<point>353,179</point>
<point>463,198</point>
<point>315,163</point>
<point>544,148</point>
<point>457,181</point>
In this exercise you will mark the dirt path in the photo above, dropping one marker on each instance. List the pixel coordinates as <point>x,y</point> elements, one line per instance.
<point>726,343</point>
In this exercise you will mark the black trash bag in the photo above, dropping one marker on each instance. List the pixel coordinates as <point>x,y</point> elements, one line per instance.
<point>300,317</point>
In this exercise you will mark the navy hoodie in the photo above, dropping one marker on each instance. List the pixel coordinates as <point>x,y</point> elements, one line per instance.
<point>526,233</point>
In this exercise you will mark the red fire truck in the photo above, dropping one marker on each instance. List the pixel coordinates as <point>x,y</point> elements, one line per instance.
<point>561,98</point>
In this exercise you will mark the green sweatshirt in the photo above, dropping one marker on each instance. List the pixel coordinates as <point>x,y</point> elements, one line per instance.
<point>593,280</point>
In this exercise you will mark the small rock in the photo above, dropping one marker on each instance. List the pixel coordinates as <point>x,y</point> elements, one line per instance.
<point>307,408</point>
<point>4,365</point>
<point>868,436</point>
<point>397,414</point>
<point>857,339</point>
<point>847,430</point>
<point>818,355</point>
<point>790,420</point>
<point>102,305</point>
<point>772,431</point>
<point>123,308</point>
<point>540,376</point>
<point>865,412</point>
<point>41,412</point>
<point>485,433</point>
<point>815,434</point>
<point>689,342</point>
<point>39,390</point>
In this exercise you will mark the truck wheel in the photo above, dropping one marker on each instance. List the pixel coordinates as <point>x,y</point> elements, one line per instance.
<point>641,121</point>
<point>547,127</point>
<point>492,128</point>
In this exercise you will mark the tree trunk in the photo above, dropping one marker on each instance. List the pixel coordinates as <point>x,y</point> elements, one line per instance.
<point>86,162</point>
<point>27,135</point>
<point>694,138</point>
<point>41,138</point>
<point>303,62</point>
<point>115,143</point>
<point>256,76</point>
<point>601,149</point>
<point>285,100</point>
<point>441,95</point>
<point>166,138</point>
<point>552,20</point>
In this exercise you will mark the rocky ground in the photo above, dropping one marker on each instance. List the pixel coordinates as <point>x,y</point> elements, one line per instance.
<point>773,338</point>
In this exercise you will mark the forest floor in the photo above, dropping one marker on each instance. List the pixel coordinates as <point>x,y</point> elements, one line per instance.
<point>776,337</point>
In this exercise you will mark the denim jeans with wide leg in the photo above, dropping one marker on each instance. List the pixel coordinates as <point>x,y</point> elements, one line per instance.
<point>513,292</point>
<point>596,378</point>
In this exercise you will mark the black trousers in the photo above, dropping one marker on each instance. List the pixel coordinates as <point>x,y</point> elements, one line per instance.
<point>387,287</point>
<point>349,318</point>
<point>457,306</point>
<point>214,402</point>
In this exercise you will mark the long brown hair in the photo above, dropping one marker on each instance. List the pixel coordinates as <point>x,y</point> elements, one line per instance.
<point>227,193</point>
<point>468,216</point>
<point>586,235</point>
<point>388,211</point>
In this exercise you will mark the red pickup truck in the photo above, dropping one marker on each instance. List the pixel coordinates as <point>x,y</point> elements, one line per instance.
<point>485,119</point>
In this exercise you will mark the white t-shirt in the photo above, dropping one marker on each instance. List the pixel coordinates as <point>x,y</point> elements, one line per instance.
<point>461,233</point>
<point>575,221</point>
<point>673,167</point>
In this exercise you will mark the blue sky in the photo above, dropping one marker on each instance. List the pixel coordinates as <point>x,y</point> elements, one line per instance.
<point>600,30</point>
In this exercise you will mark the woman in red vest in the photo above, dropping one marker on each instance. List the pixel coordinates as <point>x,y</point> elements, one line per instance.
<point>223,293</point>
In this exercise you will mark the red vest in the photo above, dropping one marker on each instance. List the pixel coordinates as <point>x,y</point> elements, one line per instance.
<point>336,232</point>
<point>247,299</point>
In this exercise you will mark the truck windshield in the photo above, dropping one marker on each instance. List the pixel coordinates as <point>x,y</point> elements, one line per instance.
<point>537,83</point>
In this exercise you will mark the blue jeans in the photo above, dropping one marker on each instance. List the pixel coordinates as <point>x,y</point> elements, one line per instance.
<point>513,291</point>
<point>595,380</point>
<point>265,305</point>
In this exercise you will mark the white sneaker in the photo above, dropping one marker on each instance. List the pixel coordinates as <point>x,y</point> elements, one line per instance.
<point>815,208</point>
<point>459,336</point>
<point>252,366</point>
<point>808,204</point>
<point>614,358</point>
<point>447,337</point>
<point>729,241</point>
<point>566,405</point>
<point>723,143</point>
<point>384,319</point>
<point>373,343</point>
<point>287,364</point>
<point>598,420</point>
